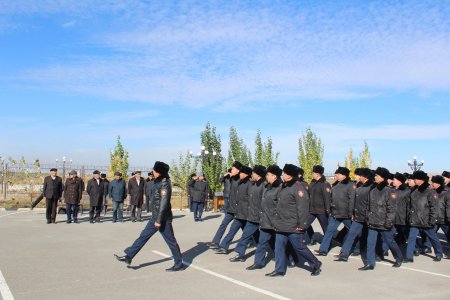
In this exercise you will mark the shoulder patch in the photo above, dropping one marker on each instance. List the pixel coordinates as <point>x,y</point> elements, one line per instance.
<point>328,190</point>
<point>163,192</point>
<point>300,193</point>
<point>354,186</point>
<point>435,196</point>
<point>393,196</point>
<point>164,180</point>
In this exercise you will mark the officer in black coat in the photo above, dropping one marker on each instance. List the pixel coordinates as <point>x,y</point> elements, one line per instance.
<point>199,190</point>
<point>53,189</point>
<point>380,219</point>
<point>161,220</point>
<point>319,201</point>
<point>423,216</point>
<point>403,204</point>
<point>239,203</point>
<point>438,184</point>
<point>231,180</point>
<point>253,212</point>
<point>341,207</point>
<point>290,222</point>
<point>446,175</point>
<point>95,189</point>
<point>267,216</point>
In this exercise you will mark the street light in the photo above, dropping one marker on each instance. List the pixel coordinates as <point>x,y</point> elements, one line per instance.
<point>415,166</point>
<point>64,167</point>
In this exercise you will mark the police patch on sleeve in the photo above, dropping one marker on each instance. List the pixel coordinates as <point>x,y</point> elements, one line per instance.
<point>354,186</point>
<point>393,196</point>
<point>300,193</point>
<point>328,190</point>
<point>163,192</point>
<point>435,196</point>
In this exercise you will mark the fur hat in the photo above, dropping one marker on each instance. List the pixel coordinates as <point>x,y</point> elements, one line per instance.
<point>96,172</point>
<point>366,173</point>
<point>300,171</point>
<point>103,175</point>
<point>420,175</point>
<point>438,179</point>
<point>237,165</point>
<point>383,172</point>
<point>343,171</point>
<point>275,170</point>
<point>400,177</point>
<point>358,171</point>
<point>291,170</point>
<point>260,170</point>
<point>318,169</point>
<point>161,167</point>
<point>246,170</point>
<point>446,174</point>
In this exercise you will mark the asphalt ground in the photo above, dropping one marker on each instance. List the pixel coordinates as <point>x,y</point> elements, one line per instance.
<point>75,261</point>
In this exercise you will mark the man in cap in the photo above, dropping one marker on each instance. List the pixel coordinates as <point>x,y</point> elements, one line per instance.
<point>424,213</point>
<point>446,175</point>
<point>136,188</point>
<point>149,184</point>
<point>105,192</point>
<point>240,204</point>
<point>52,191</point>
<point>229,209</point>
<point>117,192</point>
<point>403,203</point>
<point>95,189</point>
<point>319,201</point>
<point>341,207</point>
<point>438,184</point>
<point>161,220</point>
<point>73,191</point>
<point>380,219</point>
<point>253,214</point>
<point>199,190</point>
<point>290,222</point>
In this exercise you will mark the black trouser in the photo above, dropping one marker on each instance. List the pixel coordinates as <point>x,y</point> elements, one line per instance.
<point>50,208</point>
<point>95,210</point>
<point>139,211</point>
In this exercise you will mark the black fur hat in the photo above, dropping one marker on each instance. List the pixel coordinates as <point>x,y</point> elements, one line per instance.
<point>446,174</point>
<point>343,171</point>
<point>365,172</point>
<point>438,179</point>
<point>383,172</point>
<point>421,175</point>
<point>161,167</point>
<point>358,171</point>
<point>103,175</point>
<point>300,171</point>
<point>260,170</point>
<point>237,165</point>
<point>400,177</point>
<point>291,170</point>
<point>275,170</point>
<point>318,169</point>
<point>246,170</point>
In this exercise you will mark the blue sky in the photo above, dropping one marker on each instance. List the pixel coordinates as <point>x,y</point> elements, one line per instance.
<point>75,74</point>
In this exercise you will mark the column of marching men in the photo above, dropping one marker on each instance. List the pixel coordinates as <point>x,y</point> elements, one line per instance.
<point>380,211</point>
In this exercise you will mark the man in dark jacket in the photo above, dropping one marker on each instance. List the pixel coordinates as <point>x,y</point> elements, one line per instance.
<point>136,187</point>
<point>446,175</point>
<point>149,184</point>
<point>380,219</point>
<point>53,189</point>
<point>233,178</point>
<point>189,193</point>
<point>253,213</point>
<point>341,207</point>
<point>267,216</point>
<point>291,218</point>
<point>361,208</point>
<point>402,211</point>
<point>438,184</point>
<point>105,192</point>
<point>95,189</point>
<point>199,190</point>
<point>161,220</point>
<point>319,205</point>
<point>117,192</point>
<point>423,216</point>
<point>73,191</point>
<point>239,203</point>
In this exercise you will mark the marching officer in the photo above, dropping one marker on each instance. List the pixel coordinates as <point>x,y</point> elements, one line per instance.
<point>438,184</point>
<point>52,191</point>
<point>423,216</point>
<point>73,191</point>
<point>95,189</point>
<point>254,211</point>
<point>342,204</point>
<point>136,187</point>
<point>403,204</point>
<point>291,218</point>
<point>199,190</point>
<point>380,219</point>
<point>446,175</point>
<point>161,220</point>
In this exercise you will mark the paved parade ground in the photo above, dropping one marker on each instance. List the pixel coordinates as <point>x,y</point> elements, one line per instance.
<point>75,261</point>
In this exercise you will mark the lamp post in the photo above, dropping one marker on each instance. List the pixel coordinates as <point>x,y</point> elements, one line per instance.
<point>64,167</point>
<point>200,155</point>
<point>414,165</point>
<point>2,162</point>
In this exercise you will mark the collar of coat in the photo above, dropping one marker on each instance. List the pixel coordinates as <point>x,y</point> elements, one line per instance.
<point>321,179</point>
<point>289,183</point>
<point>275,184</point>
<point>368,183</point>
<point>161,178</point>
<point>345,181</point>
<point>244,180</point>
<point>402,187</point>
<point>259,182</point>
<point>382,185</point>
<point>423,187</point>
<point>440,189</point>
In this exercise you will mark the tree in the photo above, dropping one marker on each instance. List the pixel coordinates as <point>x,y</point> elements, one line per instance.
<point>263,151</point>
<point>311,151</point>
<point>238,150</point>
<point>365,161</point>
<point>181,171</point>
<point>351,163</point>
<point>119,160</point>
<point>259,149</point>
<point>212,164</point>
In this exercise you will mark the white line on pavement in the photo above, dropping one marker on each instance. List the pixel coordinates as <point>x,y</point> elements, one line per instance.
<point>14,213</point>
<point>243,284</point>
<point>4,289</point>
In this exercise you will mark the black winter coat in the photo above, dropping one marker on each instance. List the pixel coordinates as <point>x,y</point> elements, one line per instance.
<point>442,193</point>
<point>136,191</point>
<point>162,209</point>
<point>254,203</point>
<point>269,205</point>
<point>243,197</point>
<point>343,199</point>
<point>319,194</point>
<point>382,206</point>
<point>199,190</point>
<point>292,207</point>
<point>403,205</point>
<point>233,207</point>
<point>53,189</point>
<point>73,190</point>
<point>424,207</point>
<point>362,202</point>
<point>95,191</point>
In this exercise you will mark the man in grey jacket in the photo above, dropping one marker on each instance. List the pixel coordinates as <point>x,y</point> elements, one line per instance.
<point>117,192</point>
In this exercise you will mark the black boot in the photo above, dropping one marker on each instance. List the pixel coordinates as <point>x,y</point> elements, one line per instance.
<point>124,258</point>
